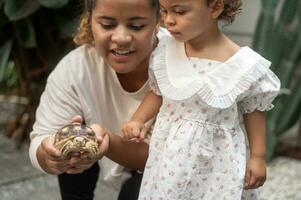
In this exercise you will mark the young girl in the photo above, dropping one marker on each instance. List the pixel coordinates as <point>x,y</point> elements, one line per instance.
<point>207,90</point>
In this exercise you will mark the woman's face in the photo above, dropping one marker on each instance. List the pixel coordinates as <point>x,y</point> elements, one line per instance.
<point>124,32</point>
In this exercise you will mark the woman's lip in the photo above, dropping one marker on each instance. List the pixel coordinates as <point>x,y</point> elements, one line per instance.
<point>120,58</point>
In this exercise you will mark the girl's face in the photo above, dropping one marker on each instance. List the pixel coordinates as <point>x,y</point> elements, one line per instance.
<point>124,32</point>
<point>188,19</point>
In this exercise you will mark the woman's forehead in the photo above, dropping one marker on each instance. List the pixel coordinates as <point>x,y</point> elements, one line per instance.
<point>124,8</point>
<point>124,3</point>
<point>178,2</point>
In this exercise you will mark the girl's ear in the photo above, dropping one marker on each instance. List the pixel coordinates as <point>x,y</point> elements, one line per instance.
<point>217,7</point>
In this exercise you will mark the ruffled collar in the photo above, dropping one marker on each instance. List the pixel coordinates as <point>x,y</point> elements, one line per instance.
<point>219,88</point>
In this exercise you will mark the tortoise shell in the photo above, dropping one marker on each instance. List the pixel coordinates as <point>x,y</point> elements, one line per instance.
<point>74,129</point>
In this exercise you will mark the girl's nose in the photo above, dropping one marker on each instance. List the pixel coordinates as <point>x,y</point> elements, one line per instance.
<point>169,20</point>
<point>121,36</point>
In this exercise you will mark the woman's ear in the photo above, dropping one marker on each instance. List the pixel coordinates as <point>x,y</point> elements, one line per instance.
<point>217,7</point>
<point>157,28</point>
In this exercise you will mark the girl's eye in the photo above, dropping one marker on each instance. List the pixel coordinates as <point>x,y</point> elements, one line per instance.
<point>136,27</point>
<point>107,26</point>
<point>163,11</point>
<point>180,12</point>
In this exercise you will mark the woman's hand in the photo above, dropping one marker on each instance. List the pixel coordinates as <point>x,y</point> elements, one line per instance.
<point>80,163</point>
<point>50,159</point>
<point>255,173</point>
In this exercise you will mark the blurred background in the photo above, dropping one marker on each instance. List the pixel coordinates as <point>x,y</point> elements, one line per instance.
<point>36,34</point>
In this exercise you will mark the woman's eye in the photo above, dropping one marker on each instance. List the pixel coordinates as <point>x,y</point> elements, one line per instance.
<point>136,27</point>
<point>107,26</point>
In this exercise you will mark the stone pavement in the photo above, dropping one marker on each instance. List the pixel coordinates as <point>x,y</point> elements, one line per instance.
<point>19,180</point>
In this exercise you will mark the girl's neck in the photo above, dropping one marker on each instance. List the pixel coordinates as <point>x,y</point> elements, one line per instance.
<point>203,41</point>
<point>214,45</point>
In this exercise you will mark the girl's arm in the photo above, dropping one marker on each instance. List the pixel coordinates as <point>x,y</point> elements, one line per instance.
<point>149,108</point>
<point>255,127</point>
<point>256,169</point>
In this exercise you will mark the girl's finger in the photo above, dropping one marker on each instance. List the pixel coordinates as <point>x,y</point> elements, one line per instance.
<point>143,133</point>
<point>252,181</point>
<point>257,184</point>
<point>135,131</point>
<point>247,179</point>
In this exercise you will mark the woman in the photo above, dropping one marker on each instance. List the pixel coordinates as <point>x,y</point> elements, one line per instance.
<point>104,81</point>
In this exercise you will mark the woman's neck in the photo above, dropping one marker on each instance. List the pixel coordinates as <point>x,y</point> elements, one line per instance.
<point>133,81</point>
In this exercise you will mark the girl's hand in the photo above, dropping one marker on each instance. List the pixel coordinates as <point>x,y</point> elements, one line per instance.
<point>255,173</point>
<point>134,129</point>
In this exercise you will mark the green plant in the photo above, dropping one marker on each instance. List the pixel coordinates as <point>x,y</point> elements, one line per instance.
<point>278,38</point>
<point>34,35</point>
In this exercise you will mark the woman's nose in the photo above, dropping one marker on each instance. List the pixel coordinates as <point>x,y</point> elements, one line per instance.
<point>121,36</point>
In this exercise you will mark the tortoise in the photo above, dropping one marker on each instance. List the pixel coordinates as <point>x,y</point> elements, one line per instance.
<point>76,137</point>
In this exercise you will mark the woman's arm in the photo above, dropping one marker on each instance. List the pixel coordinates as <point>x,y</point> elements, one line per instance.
<point>128,153</point>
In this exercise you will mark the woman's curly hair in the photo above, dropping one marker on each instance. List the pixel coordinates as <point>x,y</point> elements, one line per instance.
<point>84,32</point>
<point>231,9</point>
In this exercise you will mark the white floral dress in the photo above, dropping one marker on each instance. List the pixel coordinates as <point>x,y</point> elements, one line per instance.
<point>198,146</point>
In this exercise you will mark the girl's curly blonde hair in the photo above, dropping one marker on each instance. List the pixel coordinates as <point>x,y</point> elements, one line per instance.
<point>231,9</point>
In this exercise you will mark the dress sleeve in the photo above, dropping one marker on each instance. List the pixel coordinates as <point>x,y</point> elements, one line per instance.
<point>58,104</point>
<point>152,80</point>
<point>261,94</point>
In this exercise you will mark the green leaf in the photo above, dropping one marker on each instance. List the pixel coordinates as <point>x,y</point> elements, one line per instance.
<point>271,141</point>
<point>26,33</point>
<point>3,20</point>
<point>290,115</point>
<point>19,9</point>
<point>272,4</point>
<point>53,3</point>
<point>4,56</point>
<point>66,25</point>
<point>11,76</point>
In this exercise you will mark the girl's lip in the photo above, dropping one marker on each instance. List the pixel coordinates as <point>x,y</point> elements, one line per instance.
<point>174,32</point>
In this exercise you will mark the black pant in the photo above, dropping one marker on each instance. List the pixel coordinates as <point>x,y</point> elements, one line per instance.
<point>81,186</point>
